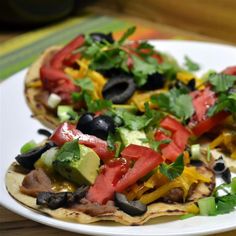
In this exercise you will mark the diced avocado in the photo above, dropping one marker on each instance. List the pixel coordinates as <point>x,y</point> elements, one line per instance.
<point>132,137</point>
<point>46,160</point>
<point>77,163</point>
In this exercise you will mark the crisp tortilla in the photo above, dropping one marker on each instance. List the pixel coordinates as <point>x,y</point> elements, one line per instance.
<point>40,112</point>
<point>15,176</point>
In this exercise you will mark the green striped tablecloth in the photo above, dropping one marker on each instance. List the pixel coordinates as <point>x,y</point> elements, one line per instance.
<point>19,52</point>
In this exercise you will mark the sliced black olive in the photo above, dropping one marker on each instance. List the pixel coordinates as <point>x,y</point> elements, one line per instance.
<point>154,81</point>
<point>44,132</point>
<point>133,208</point>
<point>84,122</point>
<point>222,170</point>
<point>101,126</point>
<point>57,200</point>
<point>219,166</point>
<point>191,85</point>
<point>80,193</point>
<point>28,159</point>
<point>52,200</point>
<point>196,163</point>
<point>119,89</point>
<point>226,176</point>
<point>100,37</point>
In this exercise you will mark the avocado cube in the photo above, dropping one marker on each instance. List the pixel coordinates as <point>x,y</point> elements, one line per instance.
<point>77,163</point>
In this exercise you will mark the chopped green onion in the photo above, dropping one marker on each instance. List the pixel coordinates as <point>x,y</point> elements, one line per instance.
<point>53,100</point>
<point>118,148</point>
<point>186,216</point>
<point>208,154</point>
<point>233,186</point>
<point>195,151</point>
<point>66,113</point>
<point>28,146</point>
<point>207,206</point>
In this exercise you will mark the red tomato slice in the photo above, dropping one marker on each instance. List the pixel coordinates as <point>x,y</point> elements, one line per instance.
<point>104,187</point>
<point>202,100</point>
<point>206,125</point>
<point>67,132</point>
<point>57,60</point>
<point>181,137</point>
<point>146,160</point>
<point>55,81</point>
<point>171,124</point>
<point>171,151</point>
<point>230,70</point>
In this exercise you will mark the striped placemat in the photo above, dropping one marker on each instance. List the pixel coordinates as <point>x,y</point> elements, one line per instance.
<point>21,51</point>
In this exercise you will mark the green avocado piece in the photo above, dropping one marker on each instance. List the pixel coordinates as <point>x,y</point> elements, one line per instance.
<point>132,137</point>
<point>77,163</point>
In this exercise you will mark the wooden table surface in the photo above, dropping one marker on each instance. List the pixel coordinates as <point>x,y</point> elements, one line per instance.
<point>13,225</point>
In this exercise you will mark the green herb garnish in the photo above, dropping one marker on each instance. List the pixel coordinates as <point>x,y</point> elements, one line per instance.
<point>173,170</point>
<point>190,64</point>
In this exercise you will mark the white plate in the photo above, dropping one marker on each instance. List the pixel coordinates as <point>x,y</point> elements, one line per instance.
<point>16,128</point>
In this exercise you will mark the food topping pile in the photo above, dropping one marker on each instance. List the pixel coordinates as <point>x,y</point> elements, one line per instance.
<point>135,128</point>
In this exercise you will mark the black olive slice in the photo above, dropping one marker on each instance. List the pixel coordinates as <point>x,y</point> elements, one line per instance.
<point>154,81</point>
<point>119,89</point>
<point>80,193</point>
<point>28,159</point>
<point>100,37</point>
<point>191,85</point>
<point>226,176</point>
<point>133,208</point>
<point>196,163</point>
<point>44,132</point>
<point>222,170</point>
<point>52,200</point>
<point>84,122</point>
<point>57,200</point>
<point>101,126</point>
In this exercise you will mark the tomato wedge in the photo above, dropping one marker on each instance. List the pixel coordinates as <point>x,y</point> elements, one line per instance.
<point>146,160</point>
<point>57,60</point>
<point>206,125</point>
<point>67,132</point>
<point>202,100</point>
<point>104,187</point>
<point>179,138</point>
<point>230,70</point>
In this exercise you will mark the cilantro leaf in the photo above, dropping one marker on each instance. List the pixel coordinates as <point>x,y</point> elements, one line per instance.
<point>155,144</point>
<point>221,82</point>
<point>183,107</point>
<point>224,102</point>
<point>96,105</point>
<point>190,64</point>
<point>85,84</point>
<point>141,69</point>
<point>173,170</point>
<point>135,122</point>
<point>68,152</point>
<point>176,102</point>
<point>129,32</point>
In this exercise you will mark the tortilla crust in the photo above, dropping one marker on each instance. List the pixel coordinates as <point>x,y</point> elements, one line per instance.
<point>15,176</point>
<point>40,112</point>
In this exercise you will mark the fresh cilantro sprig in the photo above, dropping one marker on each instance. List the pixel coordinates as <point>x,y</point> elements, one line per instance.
<point>226,99</point>
<point>69,151</point>
<point>173,170</point>
<point>221,82</point>
<point>138,122</point>
<point>155,145</point>
<point>190,64</point>
<point>225,202</point>
<point>176,102</point>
